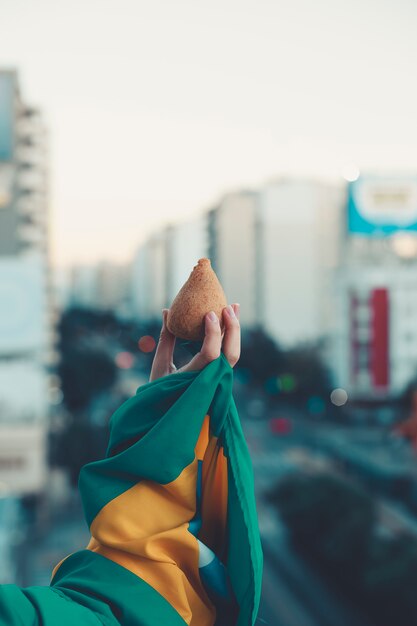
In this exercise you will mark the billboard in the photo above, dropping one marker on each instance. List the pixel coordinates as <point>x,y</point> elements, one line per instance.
<point>23,304</point>
<point>381,206</point>
<point>7,95</point>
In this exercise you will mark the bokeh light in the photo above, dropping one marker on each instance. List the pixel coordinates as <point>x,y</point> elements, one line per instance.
<point>404,245</point>
<point>124,360</point>
<point>339,397</point>
<point>316,405</point>
<point>280,425</point>
<point>146,343</point>
<point>287,383</point>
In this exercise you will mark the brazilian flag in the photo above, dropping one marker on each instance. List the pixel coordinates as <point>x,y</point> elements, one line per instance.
<point>172,517</point>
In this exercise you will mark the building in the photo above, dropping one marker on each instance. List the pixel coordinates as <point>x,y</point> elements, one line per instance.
<point>82,288</point>
<point>375,335</point>
<point>149,278</point>
<point>274,250</point>
<point>27,313</point>
<point>233,249</point>
<point>299,229</point>
<point>187,242</point>
<point>104,286</point>
<point>163,263</point>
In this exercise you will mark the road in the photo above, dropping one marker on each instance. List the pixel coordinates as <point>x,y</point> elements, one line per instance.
<point>293,594</point>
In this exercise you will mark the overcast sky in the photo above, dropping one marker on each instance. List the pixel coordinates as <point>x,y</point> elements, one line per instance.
<point>156,108</point>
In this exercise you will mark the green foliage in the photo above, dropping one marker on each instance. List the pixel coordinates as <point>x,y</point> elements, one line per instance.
<point>84,372</point>
<point>389,579</point>
<point>297,373</point>
<point>260,356</point>
<point>335,523</point>
<point>307,367</point>
<point>80,443</point>
<point>77,323</point>
<point>328,515</point>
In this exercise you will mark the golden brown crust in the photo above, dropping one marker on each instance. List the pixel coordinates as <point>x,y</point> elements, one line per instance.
<point>201,293</point>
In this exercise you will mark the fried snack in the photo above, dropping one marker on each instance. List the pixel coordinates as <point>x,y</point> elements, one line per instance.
<point>200,294</point>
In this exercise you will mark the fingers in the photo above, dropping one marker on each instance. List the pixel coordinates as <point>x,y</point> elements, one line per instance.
<point>162,363</point>
<point>215,340</point>
<point>210,350</point>
<point>231,339</point>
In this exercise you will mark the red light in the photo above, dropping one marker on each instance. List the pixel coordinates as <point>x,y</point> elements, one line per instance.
<point>280,425</point>
<point>146,343</point>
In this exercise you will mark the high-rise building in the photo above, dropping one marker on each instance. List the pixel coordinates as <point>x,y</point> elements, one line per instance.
<point>149,278</point>
<point>186,244</point>
<point>298,236</point>
<point>275,251</point>
<point>233,250</point>
<point>375,334</point>
<point>163,263</point>
<point>103,286</point>
<point>27,313</point>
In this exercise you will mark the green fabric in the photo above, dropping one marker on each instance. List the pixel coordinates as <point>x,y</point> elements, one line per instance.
<point>245,559</point>
<point>117,595</point>
<point>30,606</point>
<point>152,436</point>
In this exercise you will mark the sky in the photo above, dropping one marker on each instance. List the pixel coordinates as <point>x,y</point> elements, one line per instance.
<point>155,109</point>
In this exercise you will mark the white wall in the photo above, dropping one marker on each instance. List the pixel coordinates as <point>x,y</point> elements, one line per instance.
<point>236,251</point>
<point>299,243</point>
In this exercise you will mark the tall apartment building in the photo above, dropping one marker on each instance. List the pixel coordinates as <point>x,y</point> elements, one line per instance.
<point>187,242</point>
<point>299,229</point>
<point>162,264</point>
<point>27,313</point>
<point>233,249</point>
<point>275,250</point>
<point>103,286</point>
<point>375,335</point>
<point>149,278</point>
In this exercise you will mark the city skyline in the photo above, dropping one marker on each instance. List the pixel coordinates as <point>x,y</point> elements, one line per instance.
<point>156,110</point>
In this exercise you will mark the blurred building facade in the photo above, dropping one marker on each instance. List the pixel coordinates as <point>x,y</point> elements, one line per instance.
<point>375,338</point>
<point>309,262</point>
<point>104,286</point>
<point>28,314</point>
<point>162,264</point>
<point>299,235</point>
<point>274,249</point>
<point>233,250</point>
<point>150,277</point>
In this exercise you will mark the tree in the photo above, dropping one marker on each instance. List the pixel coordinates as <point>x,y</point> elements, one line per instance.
<point>83,373</point>
<point>260,356</point>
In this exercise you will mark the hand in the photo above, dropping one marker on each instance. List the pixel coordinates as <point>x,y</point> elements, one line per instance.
<point>210,350</point>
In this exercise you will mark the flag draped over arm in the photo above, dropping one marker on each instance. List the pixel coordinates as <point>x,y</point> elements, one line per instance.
<point>171,512</point>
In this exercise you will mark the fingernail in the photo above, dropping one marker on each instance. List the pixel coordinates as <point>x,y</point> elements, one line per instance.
<point>230,310</point>
<point>212,316</point>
